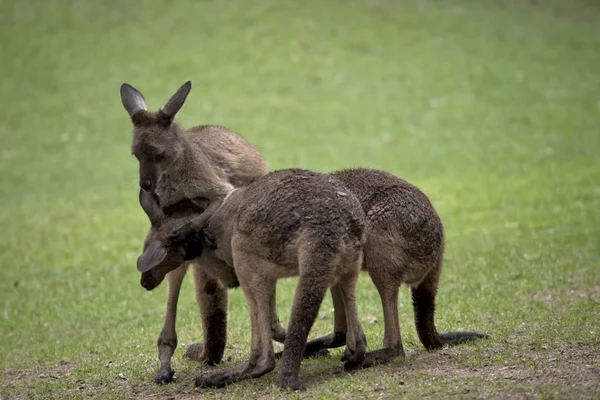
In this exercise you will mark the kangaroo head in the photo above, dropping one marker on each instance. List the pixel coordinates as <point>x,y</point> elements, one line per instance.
<point>159,256</point>
<point>157,138</point>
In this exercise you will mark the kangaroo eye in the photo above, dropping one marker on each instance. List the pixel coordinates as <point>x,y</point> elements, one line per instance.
<point>160,156</point>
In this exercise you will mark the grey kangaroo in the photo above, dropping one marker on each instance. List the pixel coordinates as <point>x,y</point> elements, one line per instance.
<point>289,222</point>
<point>371,187</point>
<point>405,244</point>
<point>202,163</point>
<point>211,294</point>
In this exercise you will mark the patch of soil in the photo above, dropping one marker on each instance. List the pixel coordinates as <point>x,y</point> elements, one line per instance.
<point>570,295</point>
<point>570,371</point>
<point>573,370</point>
<point>58,371</point>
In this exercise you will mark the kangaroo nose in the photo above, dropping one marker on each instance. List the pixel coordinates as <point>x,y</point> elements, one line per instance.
<point>146,185</point>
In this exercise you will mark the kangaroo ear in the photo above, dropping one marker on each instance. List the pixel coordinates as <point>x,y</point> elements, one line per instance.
<point>132,99</point>
<point>176,102</point>
<point>149,203</point>
<point>152,256</point>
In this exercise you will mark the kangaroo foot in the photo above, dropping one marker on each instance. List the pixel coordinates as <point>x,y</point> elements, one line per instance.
<point>318,347</point>
<point>164,375</point>
<point>235,375</point>
<point>291,383</point>
<point>456,338</point>
<point>214,381</point>
<point>314,354</point>
<point>375,357</point>
<point>318,353</point>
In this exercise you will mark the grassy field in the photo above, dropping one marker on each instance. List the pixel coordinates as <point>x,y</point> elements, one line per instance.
<point>491,107</point>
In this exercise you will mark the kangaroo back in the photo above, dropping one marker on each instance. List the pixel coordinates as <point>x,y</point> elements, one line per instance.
<point>285,207</point>
<point>399,209</point>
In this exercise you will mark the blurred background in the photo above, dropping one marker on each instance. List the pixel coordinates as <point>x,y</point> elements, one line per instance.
<point>491,107</point>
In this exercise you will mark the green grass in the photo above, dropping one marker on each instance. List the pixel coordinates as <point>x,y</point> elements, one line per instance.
<point>491,107</point>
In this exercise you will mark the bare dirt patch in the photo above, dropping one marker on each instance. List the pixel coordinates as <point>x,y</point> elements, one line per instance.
<point>572,370</point>
<point>513,370</point>
<point>60,370</point>
<point>570,295</point>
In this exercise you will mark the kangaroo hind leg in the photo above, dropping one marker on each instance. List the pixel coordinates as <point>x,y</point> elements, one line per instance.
<point>258,290</point>
<point>318,347</point>
<point>355,337</point>
<point>387,287</point>
<point>315,275</point>
<point>211,298</point>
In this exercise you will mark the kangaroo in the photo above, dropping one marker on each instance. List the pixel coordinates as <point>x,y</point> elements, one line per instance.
<point>159,252</point>
<point>405,244</point>
<point>202,163</point>
<point>372,193</point>
<point>211,288</point>
<point>160,258</point>
<point>289,222</point>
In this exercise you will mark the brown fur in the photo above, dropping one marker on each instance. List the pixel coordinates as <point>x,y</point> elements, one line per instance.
<point>405,244</point>
<point>176,164</point>
<point>289,222</point>
<point>205,161</point>
<point>211,278</point>
<point>408,248</point>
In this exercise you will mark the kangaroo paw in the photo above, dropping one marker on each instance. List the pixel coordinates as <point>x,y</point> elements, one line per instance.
<point>164,376</point>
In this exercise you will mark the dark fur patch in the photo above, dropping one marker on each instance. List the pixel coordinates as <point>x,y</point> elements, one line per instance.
<point>143,118</point>
<point>424,307</point>
<point>216,336</point>
<point>211,287</point>
<point>163,120</point>
<point>186,207</point>
<point>193,248</point>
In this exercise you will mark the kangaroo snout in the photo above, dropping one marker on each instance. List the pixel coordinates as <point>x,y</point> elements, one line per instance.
<point>148,281</point>
<point>146,185</point>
